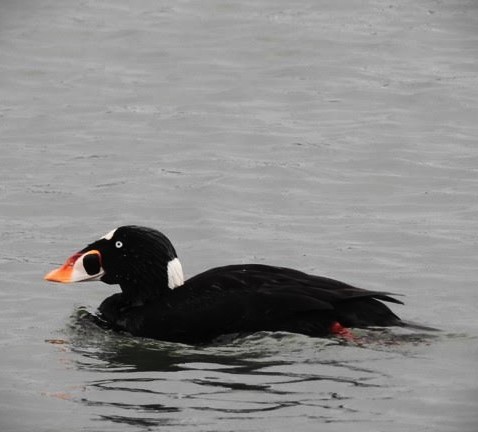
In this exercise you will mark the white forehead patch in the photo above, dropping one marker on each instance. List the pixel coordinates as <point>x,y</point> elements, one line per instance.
<point>110,235</point>
<point>175,273</point>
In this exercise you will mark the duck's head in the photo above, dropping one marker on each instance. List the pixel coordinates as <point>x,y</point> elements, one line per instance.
<point>141,260</point>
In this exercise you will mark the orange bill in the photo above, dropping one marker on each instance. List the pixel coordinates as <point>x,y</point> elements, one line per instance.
<point>74,269</point>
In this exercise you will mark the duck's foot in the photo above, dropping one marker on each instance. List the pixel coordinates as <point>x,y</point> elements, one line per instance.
<point>339,330</point>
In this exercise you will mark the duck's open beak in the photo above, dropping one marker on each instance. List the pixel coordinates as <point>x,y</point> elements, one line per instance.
<point>79,267</point>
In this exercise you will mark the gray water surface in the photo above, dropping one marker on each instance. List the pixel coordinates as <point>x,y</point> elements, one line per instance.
<point>339,138</point>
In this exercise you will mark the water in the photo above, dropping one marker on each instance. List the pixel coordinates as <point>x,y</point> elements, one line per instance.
<point>334,137</point>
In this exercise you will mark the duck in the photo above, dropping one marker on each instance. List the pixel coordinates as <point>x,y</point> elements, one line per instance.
<point>157,302</point>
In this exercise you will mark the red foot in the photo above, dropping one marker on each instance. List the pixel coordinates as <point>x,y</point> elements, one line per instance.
<point>339,330</point>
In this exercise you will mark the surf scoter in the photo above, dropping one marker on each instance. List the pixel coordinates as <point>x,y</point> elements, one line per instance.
<point>156,302</point>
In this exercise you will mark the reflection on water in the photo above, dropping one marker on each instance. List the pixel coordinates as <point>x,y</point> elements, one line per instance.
<point>236,378</point>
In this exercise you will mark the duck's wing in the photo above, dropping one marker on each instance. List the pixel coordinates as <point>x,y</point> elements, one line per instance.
<point>352,306</point>
<point>250,298</point>
<point>191,316</point>
<point>348,306</point>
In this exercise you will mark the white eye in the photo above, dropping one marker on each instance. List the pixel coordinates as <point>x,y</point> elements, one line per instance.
<point>119,244</point>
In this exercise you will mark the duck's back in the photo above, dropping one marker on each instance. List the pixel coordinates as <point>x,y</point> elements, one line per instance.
<point>249,298</point>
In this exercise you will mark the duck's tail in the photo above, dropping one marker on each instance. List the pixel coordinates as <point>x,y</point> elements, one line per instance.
<point>416,326</point>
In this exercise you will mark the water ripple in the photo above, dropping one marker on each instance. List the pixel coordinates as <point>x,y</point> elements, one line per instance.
<point>237,376</point>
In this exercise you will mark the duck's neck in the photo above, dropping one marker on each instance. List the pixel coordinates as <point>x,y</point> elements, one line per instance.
<point>141,290</point>
<point>140,294</point>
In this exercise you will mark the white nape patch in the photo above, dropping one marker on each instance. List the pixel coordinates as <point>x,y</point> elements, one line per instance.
<point>110,235</point>
<point>175,273</point>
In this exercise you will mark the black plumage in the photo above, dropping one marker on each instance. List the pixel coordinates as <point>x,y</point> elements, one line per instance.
<point>249,298</point>
<point>231,299</point>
